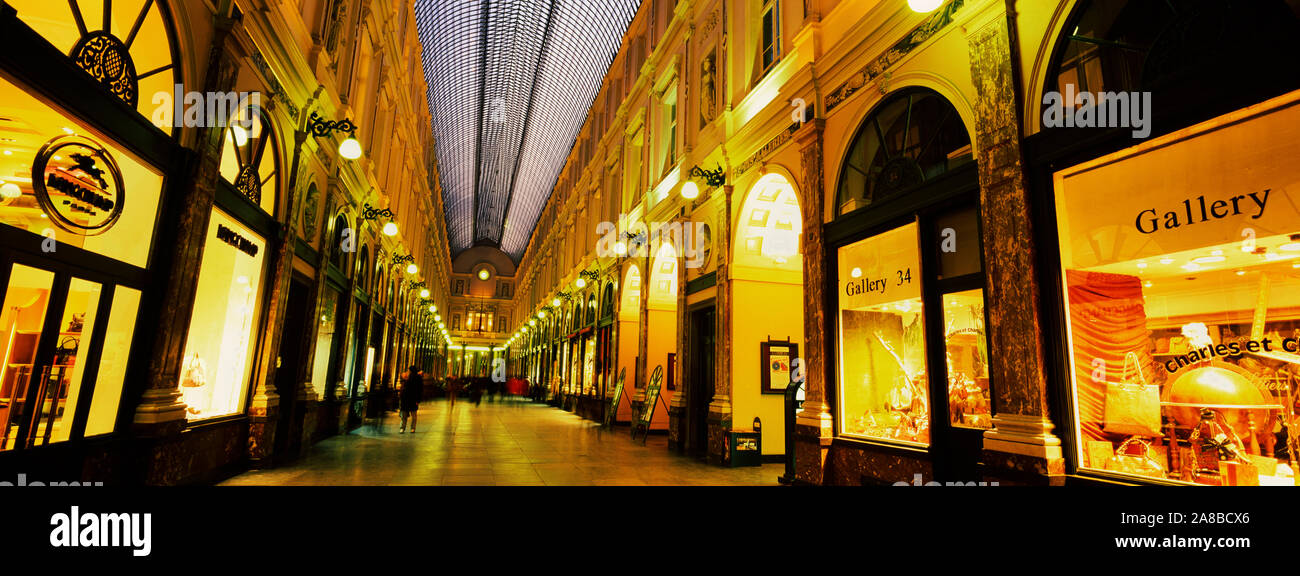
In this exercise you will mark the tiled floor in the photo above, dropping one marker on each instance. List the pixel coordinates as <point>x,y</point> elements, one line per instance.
<point>502,444</point>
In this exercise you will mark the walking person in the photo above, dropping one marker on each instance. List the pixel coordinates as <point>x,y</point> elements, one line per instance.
<point>412,393</point>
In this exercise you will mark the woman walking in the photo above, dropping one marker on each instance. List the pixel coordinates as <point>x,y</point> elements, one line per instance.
<point>412,393</point>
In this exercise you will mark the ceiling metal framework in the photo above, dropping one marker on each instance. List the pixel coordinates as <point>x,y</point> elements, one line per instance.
<point>510,84</point>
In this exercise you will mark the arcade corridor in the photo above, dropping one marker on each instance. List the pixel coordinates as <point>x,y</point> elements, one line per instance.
<point>499,444</point>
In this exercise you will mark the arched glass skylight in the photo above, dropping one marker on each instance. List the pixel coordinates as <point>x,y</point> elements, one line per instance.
<point>510,83</point>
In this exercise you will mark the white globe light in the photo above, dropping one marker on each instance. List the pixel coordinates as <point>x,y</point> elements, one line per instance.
<point>581,283</point>
<point>390,229</point>
<point>10,191</point>
<point>924,5</point>
<point>424,293</point>
<point>412,269</point>
<point>350,149</point>
<point>433,309</point>
<point>555,302</point>
<point>690,191</point>
<point>620,248</point>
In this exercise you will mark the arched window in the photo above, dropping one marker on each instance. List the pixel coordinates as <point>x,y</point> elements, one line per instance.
<point>607,302</point>
<point>126,45</point>
<point>363,269</point>
<point>1178,52</point>
<point>913,136</point>
<point>338,255</point>
<point>591,309</point>
<point>250,158</point>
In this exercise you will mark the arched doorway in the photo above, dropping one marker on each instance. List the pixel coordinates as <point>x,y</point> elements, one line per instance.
<point>766,274</point>
<point>661,322</point>
<point>629,318</point>
<point>909,346</point>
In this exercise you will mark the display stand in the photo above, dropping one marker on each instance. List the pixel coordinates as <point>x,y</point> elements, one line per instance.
<point>648,410</point>
<point>611,411</point>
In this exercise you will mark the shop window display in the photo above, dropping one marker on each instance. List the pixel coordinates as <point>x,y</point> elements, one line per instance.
<point>967,354</point>
<point>884,389</point>
<point>60,180</point>
<point>217,365</point>
<point>1183,301</point>
<point>112,367</point>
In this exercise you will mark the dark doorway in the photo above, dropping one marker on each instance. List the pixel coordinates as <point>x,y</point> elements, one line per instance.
<point>700,392</point>
<point>288,432</point>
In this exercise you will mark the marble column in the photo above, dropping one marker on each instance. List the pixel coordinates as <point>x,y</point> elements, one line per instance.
<point>643,332</point>
<point>264,409</point>
<point>813,423</point>
<point>306,401</point>
<point>336,393</point>
<point>1021,447</point>
<point>161,415</point>
<point>677,408</point>
<point>719,418</point>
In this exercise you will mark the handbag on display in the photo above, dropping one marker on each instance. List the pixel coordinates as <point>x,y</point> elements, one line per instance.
<point>1132,405</point>
<point>1144,464</point>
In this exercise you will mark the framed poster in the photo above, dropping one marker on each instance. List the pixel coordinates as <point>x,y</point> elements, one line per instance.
<point>776,356</point>
<point>672,369</point>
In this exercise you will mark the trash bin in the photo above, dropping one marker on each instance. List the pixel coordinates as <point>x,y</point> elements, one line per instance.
<point>745,448</point>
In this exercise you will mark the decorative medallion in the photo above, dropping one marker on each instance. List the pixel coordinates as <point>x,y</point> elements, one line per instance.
<point>249,184</point>
<point>309,212</point>
<point>898,174</point>
<point>78,185</point>
<point>108,60</point>
<point>704,245</point>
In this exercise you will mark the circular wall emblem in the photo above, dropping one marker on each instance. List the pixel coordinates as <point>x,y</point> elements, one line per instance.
<point>78,185</point>
<point>705,245</point>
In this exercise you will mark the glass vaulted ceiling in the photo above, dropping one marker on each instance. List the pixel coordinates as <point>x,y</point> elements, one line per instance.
<point>510,83</point>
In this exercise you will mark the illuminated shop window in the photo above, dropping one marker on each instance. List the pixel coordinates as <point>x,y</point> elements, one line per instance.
<point>88,192</point>
<point>325,336</point>
<point>112,366</point>
<point>218,362</point>
<point>913,137</point>
<point>126,45</point>
<point>1182,301</point>
<point>884,390</point>
<point>46,369</point>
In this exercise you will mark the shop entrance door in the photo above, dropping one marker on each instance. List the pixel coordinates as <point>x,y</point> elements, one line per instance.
<point>290,367</point>
<point>701,385</point>
<point>53,323</point>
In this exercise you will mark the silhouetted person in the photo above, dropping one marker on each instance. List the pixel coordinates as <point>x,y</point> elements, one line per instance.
<point>453,385</point>
<point>412,393</point>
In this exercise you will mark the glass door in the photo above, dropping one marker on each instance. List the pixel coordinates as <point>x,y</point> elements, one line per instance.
<point>53,327</point>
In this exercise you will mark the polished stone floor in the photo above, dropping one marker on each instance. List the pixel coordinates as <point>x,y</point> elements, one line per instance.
<point>513,443</point>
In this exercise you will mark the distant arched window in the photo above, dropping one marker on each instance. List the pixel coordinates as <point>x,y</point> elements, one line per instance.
<point>913,136</point>
<point>607,302</point>
<point>338,254</point>
<point>363,268</point>
<point>591,309</point>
